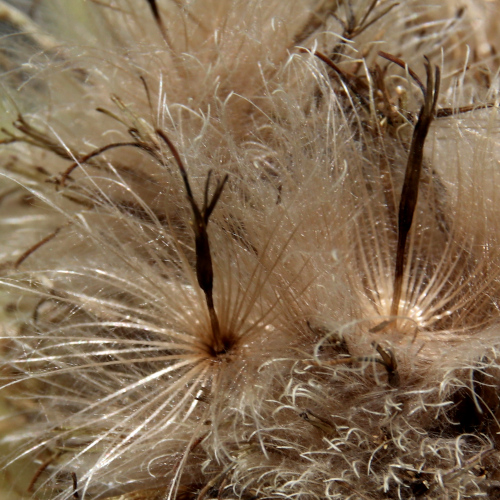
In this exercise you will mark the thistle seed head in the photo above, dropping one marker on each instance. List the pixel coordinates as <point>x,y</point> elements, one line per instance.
<point>249,250</point>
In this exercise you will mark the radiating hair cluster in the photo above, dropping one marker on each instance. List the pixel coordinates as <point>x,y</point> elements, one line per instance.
<point>249,249</point>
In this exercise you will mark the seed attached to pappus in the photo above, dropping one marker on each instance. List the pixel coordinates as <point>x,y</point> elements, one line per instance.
<point>310,309</point>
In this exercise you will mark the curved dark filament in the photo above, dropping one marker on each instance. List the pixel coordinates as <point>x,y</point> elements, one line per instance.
<point>402,64</point>
<point>159,21</point>
<point>35,247</point>
<point>100,151</point>
<point>349,80</point>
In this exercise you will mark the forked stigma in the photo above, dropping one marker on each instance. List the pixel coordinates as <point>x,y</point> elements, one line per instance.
<point>201,217</point>
<point>409,194</point>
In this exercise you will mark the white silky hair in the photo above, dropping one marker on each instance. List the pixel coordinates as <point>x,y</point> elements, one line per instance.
<point>200,205</point>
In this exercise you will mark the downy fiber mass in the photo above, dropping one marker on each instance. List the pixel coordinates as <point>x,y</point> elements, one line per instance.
<point>249,249</point>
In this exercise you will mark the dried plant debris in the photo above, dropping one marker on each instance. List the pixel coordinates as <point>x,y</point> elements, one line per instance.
<point>249,249</point>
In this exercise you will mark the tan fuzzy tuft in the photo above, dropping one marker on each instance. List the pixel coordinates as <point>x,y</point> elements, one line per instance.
<point>250,249</point>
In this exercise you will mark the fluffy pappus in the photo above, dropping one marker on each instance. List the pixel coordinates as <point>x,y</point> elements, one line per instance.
<point>250,250</point>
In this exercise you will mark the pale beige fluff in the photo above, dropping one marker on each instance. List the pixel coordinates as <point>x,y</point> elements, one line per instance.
<point>303,380</point>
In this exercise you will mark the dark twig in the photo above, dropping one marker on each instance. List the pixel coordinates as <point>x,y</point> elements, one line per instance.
<point>35,247</point>
<point>39,139</point>
<point>402,64</point>
<point>213,483</point>
<point>409,194</point>
<point>148,94</point>
<point>391,365</point>
<point>100,151</point>
<point>362,26</point>
<point>204,267</point>
<point>75,486</point>
<point>349,80</point>
<point>387,360</point>
<point>317,18</point>
<point>367,12</point>
<point>446,112</point>
<point>159,21</point>
<point>41,470</point>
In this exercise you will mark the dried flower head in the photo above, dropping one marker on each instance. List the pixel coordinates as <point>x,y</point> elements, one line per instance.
<point>250,249</point>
